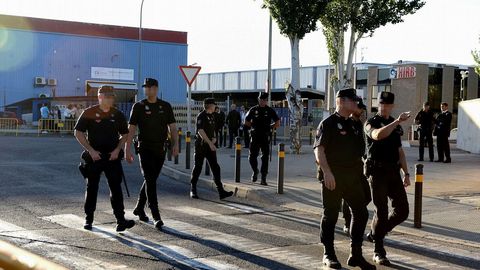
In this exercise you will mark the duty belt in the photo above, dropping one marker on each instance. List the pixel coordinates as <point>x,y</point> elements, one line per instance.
<point>383,164</point>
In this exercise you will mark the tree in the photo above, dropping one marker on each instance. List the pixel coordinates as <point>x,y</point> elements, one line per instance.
<point>476,58</point>
<point>295,18</point>
<point>361,18</point>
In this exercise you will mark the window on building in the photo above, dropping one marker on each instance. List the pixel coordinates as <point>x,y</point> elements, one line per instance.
<point>384,76</point>
<point>375,90</point>
<point>435,77</point>
<point>362,77</point>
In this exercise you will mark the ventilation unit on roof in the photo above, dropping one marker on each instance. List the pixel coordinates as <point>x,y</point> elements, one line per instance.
<point>52,82</point>
<point>40,81</point>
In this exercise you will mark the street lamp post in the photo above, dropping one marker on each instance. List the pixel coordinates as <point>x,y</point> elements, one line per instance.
<point>139,75</point>
<point>269,69</point>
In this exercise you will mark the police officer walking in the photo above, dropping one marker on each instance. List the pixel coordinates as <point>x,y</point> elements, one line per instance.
<point>154,119</point>
<point>424,120</point>
<point>385,158</point>
<point>107,131</point>
<point>338,149</point>
<point>261,119</point>
<point>205,149</point>
<point>442,131</point>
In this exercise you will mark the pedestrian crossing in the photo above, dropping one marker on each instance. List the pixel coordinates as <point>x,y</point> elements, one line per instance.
<point>258,253</point>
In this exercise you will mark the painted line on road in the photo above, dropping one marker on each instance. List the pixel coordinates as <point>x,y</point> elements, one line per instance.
<point>178,257</point>
<point>57,250</point>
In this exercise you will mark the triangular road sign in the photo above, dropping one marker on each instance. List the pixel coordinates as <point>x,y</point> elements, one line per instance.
<point>190,73</point>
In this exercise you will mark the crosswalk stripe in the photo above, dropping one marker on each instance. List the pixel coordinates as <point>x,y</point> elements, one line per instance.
<point>175,255</point>
<point>57,250</point>
<point>247,224</point>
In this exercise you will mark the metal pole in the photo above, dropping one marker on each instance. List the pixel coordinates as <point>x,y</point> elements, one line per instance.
<point>238,155</point>
<point>269,69</point>
<point>179,140</point>
<point>417,218</point>
<point>189,109</point>
<point>187,151</point>
<point>139,75</point>
<point>281,171</point>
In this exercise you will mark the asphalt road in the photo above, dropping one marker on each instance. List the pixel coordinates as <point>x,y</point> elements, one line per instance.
<point>41,210</point>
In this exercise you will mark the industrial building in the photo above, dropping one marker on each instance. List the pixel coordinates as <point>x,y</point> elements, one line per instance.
<point>61,61</point>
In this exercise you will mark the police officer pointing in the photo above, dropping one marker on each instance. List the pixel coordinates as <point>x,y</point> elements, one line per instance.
<point>205,149</point>
<point>338,149</point>
<point>154,119</point>
<point>107,131</point>
<point>385,158</point>
<point>261,119</point>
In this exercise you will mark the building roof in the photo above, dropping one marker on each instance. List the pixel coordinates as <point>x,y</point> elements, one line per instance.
<point>90,29</point>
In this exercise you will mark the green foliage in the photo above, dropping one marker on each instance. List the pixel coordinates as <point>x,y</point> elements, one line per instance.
<point>296,18</point>
<point>476,58</point>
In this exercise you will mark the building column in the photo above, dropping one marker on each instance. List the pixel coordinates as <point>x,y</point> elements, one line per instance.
<point>447,84</point>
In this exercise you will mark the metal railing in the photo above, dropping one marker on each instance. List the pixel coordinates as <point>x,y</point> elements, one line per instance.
<point>9,125</point>
<point>55,126</point>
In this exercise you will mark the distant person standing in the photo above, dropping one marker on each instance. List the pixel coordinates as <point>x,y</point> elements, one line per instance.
<point>44,114</point>
<point>244,129</point>
<point>425,120</point>
<point>442,131</point>
<point>233,123</point>
<point>205,149</point>
<point>219,123</point>
<point>261,119</point>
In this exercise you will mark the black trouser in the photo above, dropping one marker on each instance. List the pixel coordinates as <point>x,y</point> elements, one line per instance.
<point>113,172</point>
<point>203,151</point>
<point>151,162</point>
<point>426,138</point>
<point>349,187</point>
<point>256,145</point>
<point>443,147</point>
<point>387,183</point>
<point>347,214</point>
<point>233,134</point>
<point>245,133</point>
<point>219,136</point>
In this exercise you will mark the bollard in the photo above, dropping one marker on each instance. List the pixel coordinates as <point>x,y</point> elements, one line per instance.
<point>224,137</point>
<point>207,167</point>
<point>281,171</point>
<point>311,136</point>
<point>179,140</point>
<point>187,151</point>
<point>275,136</point>
<point>417,218</point>
<point>238,155</point>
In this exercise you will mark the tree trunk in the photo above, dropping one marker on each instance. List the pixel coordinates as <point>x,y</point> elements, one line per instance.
<point>351,53</point>
<point>295,105</point>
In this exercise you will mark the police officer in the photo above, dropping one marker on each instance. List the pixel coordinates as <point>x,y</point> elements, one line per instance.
<point>338,149</point>
<point>205,148</point>
<point>261,119</point>
<point>154,119</point>
<point>385,159</point>
<point>442,131</point>
<point>107,132</point>
<point>357,117</point>
<point>424,120</point>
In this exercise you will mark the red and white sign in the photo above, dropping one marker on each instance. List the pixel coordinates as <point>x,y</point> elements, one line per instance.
<point>190,73</point>
<point>406,72</point>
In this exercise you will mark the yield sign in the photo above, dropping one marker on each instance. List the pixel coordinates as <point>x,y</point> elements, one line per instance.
<point>190,73</point>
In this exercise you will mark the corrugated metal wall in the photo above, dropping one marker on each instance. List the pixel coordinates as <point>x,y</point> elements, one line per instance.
<point>68,58</point>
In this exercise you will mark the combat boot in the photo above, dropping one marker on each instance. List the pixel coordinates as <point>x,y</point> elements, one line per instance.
<point>124,224</point>
<point>193,192</point>
<point>88,222</point>
<point>222,193</point>
<point>356,259</point>
<point>255,176</point>
<point>142,216</point>
<point>264,180</point>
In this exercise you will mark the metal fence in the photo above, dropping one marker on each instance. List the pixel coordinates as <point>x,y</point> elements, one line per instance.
<point>65,126</point>
<point>9,125</point>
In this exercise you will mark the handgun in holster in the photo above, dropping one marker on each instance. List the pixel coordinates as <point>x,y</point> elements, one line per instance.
<point>84,165</point>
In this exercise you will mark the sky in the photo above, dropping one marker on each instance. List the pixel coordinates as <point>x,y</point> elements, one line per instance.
<point>232,35</point>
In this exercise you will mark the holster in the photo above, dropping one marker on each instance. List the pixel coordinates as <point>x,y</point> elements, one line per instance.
<point>85,164</point>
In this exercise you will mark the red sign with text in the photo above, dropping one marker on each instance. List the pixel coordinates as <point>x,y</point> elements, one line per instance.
<point>406,72</point>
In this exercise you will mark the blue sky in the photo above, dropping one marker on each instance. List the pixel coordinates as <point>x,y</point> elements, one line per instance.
<point>226,35</point>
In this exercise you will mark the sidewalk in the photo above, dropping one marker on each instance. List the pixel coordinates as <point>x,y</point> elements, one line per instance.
<point>451,192</point>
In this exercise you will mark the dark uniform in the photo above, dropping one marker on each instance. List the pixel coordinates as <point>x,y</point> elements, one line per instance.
<point>425,121</point>
<point>233,123</point>
<point>383,168</point>
<point>442,131</point>
<point>206,122</point>
<point>103,130</point>
<point>152,120</point>
<point>261,119</point>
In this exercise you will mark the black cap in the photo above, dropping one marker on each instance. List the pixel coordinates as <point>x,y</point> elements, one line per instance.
<point>208,101</point>
<point>149,82</point>
<point>348,93</point>
<point>386,97</point>
<point>263,95</point>
<point>107,90</point>
<point>360,105</point>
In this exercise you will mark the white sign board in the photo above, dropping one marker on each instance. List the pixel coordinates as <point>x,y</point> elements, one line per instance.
<point>112,73</point>
<point>190,73</point>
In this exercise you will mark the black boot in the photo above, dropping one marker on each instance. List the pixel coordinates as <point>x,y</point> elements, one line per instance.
<point>329,258</point>
<point>222,193</point>
<point>379,254</point>
<point>193,192</point>
<point>255,176</point>
<point>356,259</point>
<point>124,224</point>
<point>264,180</point>
<point>142,216</point>
<point>158,224</point>
<point>88,222</point>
